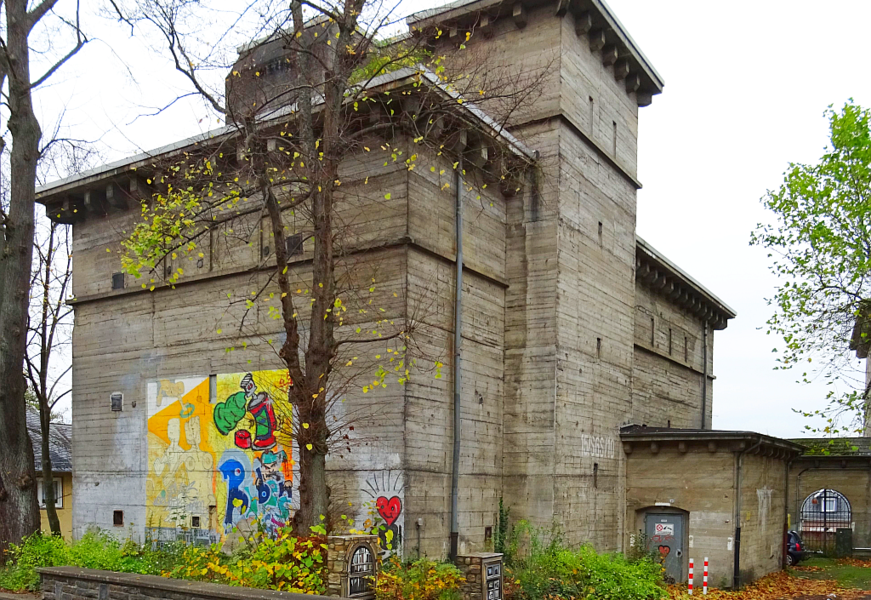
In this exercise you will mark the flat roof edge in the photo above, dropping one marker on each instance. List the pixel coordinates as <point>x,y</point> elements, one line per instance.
<point>126,164</point>
<point>676,271</point>
<point>458,8</point>
<point>708,435</point>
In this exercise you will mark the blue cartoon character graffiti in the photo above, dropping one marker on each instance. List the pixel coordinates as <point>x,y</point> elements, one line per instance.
<point>234,472</point>
<point>229,414</point>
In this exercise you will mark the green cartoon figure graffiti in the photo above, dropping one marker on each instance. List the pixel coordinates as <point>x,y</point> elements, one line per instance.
<point>229,414</point>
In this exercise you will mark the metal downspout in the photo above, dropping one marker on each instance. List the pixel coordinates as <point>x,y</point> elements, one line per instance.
<point>458,341</point>
<point>704,372</point>
<point>786,522</point>
<point>739,458</point>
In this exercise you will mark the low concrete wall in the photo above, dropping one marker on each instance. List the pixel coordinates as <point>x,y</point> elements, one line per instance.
<point>72,583</point>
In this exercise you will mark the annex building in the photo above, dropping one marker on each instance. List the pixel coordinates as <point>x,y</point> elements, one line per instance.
<point>587,356</point>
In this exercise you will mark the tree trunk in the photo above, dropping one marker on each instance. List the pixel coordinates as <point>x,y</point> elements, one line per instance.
<point>19,509</point>
<point>47,476</point>
<point>313,491</point>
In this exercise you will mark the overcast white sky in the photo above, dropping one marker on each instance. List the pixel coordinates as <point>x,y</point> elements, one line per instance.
<point>746,84</point>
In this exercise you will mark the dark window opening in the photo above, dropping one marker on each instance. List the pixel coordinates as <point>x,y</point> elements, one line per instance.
<point>595,475</point>
<point>600,233</point>
<point>488,533</point>
<point>293,244</point>
<point>668,423</point>
<point>592,113</point>
<point>213,388</point>
<point>195,522</point>
<point>266,250</point>
<point>599,347</point>
<point>652,331</point>
<point>117,281</point>
<point>614,123</point>
<point>669,341</point>
<point>117,517</point>
<point>686,349</point>
<point>116,399</point>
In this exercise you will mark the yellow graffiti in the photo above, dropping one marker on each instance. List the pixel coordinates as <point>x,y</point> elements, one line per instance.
<point>215,462</point>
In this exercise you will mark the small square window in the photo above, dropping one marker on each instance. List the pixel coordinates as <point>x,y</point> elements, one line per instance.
<point>293,244</point>
<point>195,522</point>
<point>117,281</point>
<point>117,517</point>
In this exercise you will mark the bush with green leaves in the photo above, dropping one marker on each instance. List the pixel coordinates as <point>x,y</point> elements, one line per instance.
<point>550,569</point>
<point>92,551</point>
<point>280,561</point>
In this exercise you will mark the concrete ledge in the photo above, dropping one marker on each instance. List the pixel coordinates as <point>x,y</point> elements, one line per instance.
<point>136,585</point>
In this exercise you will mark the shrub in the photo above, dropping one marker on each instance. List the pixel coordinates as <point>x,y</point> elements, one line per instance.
<point>92,551</point>
<point>284,563</point>
<point>552,570</point>
<point>421,579</point>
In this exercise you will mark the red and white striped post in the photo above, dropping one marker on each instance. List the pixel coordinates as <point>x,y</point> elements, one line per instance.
<point>705,579</point>
<point>691,578</point>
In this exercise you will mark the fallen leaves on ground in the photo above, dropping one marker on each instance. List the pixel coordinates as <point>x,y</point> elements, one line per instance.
<point>854,562</point>
<point>776,586</point>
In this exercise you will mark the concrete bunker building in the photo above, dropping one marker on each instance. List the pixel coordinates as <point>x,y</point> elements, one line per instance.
<point>573,328</point>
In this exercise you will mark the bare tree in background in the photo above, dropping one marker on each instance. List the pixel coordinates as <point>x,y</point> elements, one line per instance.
<point>289,134</point>
<point>49,330</point>
<point>19,509</point>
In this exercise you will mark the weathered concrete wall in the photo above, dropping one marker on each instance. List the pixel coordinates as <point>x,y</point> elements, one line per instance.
<point>569,303</point>
<point>595,298</point>
<point>696,481</point>
<point>850,476</point>
<point>160,348</point>
<point>668,369</point>
<point>763,515</point>
<point>702,483</point>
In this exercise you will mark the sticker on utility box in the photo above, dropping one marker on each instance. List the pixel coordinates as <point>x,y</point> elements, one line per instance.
<point>665,529</point>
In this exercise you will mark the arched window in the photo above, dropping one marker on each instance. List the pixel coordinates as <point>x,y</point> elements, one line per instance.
<point>822,514</point>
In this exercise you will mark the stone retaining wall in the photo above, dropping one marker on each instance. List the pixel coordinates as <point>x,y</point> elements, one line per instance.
<point>73,583</point>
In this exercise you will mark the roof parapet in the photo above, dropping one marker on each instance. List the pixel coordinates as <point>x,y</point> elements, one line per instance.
<point>123,184</point>
<point>657,273</point>
<point>594,20</point>
<point>653,438</point>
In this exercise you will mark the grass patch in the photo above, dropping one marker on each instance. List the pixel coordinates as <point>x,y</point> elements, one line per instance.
<point>849,573</point>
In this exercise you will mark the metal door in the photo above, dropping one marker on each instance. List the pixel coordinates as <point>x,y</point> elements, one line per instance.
<point>665,539</point>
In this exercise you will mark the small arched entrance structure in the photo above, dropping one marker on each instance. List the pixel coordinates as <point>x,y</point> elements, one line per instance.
<point>822,513</point>
<point>665,534</point>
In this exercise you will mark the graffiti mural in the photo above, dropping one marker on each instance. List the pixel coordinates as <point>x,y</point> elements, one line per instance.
<point>385,489</point>
<point>220,453</point>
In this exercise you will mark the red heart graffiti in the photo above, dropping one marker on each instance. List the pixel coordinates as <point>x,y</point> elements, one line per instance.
<point>389,509</point>
<point>664,550</point>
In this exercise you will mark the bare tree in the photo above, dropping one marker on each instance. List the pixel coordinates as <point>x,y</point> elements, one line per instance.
<point>286,139</point>
<point>19,509</point>
<point>49,329</point>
